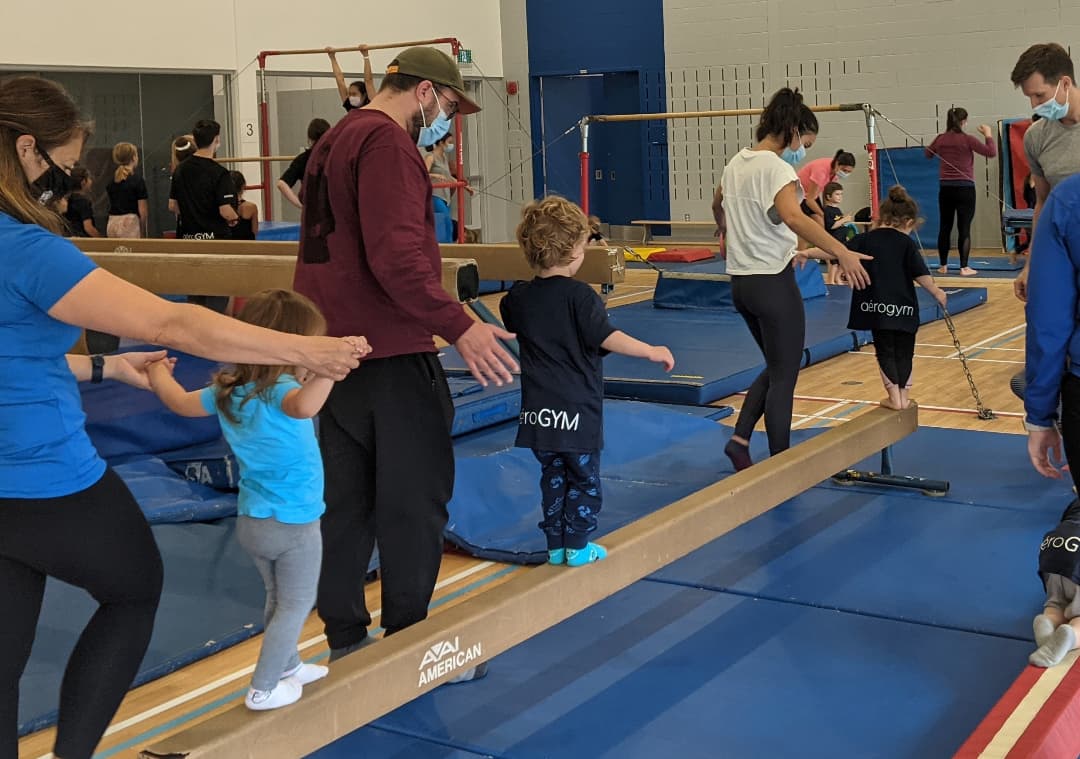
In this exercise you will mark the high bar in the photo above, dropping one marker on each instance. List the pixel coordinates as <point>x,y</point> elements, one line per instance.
<point>668,116</point>
<point>358,48</point>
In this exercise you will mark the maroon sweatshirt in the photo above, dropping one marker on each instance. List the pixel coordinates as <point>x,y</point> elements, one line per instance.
<point>368,254</point>
<point>957,151</point>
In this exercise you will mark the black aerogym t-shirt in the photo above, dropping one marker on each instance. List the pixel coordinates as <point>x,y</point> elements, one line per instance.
<point>79,210</point>
<point>200,186</point>
<point>295,172</point>
<point>560,324</point>
<point>124,196</point>
<point>890,301</point>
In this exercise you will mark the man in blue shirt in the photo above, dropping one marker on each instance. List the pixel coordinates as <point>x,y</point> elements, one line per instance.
<point>1053,333</point>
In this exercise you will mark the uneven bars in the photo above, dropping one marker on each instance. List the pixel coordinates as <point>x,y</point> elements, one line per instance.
<point>264,100</point>
<point>715,114</point>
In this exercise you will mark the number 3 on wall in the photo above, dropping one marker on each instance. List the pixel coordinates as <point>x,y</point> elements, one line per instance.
<point>249,129</point>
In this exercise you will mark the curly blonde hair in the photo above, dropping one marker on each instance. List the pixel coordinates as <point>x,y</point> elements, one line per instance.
<point>549,231</point>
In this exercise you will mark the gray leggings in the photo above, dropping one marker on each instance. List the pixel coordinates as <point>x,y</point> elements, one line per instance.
<point>288,557</point>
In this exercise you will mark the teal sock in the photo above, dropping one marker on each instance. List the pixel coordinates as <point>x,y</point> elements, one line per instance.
<point>556,556</point>
<point>578,557</point>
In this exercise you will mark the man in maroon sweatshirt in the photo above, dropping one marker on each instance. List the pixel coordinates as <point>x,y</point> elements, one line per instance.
<point>369,259</point>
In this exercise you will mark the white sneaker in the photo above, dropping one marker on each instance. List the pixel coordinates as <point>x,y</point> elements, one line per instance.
<point>306,674</point>
<point>287,691</point>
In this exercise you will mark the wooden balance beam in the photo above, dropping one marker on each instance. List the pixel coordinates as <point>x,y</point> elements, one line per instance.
<point>379,678</point>
<point>602,266</point>
<point>244,275</point>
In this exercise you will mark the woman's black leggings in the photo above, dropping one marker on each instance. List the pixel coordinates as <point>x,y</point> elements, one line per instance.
<point>772,306</point>
<point>958,201</point>
<point>97,539</point>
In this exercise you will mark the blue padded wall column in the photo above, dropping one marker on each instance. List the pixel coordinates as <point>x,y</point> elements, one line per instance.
<point>590,58</point>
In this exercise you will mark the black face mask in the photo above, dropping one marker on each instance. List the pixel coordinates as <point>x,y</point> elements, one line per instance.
<point>54,182</point>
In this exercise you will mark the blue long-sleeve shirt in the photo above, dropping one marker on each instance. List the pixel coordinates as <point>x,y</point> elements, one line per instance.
<point>1053,321</point>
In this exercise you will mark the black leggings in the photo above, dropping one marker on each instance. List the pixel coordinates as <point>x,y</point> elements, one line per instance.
<point>958,201</point>
<point>772,307</point>
<point>97,539</point>
<point>895,351</point>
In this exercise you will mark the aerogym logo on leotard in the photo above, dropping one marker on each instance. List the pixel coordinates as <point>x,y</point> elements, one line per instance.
<point>445,657</point>
<point>888,309</point>
<point>1070,544</point>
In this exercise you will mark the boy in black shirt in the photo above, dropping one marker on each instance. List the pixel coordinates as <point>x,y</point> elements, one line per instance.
<point>889,307</point>
<point>563,330</point>
<point>202,192</point>
<point>80,213</point>
<point>1056,629</point>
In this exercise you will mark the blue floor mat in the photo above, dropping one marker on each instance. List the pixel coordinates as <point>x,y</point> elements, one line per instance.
<point>167,497</point>
<point>652,456</point>
<point>661,670</point>
<point>998,264</point>
<point>278,230</point>
<point>716,356</point>
<point>213,599</point>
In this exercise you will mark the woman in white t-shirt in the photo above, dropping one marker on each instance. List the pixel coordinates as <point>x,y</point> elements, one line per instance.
<point>758,212</point>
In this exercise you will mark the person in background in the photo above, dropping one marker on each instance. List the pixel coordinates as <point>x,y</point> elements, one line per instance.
<point>80,211</point>
<point>357,94</point>
<point>183,147</point>
<point>758,212</point>
<point>564,331</point>
<point>896,265</point>
<point>128,208</point>
<point>443,168</point>
<point>265,414</point>
<point>202,192</point>
<point>836,224</point>
<point>295,173</point>
<point>63,512</point>
<point>1057,628</point>
<point>956,195</point>
<point>818,173</point>
<point>247,225</point>
<point>1045,75</point>
<point>596,237</point>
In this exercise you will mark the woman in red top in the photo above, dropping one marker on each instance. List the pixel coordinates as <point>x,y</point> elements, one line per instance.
<point>957,194</point>
<point>815,175</point>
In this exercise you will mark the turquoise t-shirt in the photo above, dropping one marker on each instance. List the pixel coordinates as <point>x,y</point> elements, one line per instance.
<point>44,449</point>
<point>281,472</point>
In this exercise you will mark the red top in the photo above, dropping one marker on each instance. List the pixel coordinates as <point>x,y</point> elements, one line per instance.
<point>368,254</point>
<point>957,151</point>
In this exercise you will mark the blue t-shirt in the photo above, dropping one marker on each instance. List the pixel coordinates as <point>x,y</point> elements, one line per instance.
<point>44,449</point>
<point>281,472</point>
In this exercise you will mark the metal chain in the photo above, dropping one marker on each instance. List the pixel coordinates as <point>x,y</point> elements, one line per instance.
<point>983,411</point>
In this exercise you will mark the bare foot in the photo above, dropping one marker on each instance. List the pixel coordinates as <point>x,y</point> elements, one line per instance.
<point>890,403</point>
<point>943,270</point>
<point>967,271</point>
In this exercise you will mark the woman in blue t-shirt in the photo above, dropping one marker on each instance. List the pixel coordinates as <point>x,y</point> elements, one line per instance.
<point>63,512</point>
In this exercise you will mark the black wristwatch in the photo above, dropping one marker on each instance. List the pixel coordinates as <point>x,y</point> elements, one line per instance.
<point>97,368</point>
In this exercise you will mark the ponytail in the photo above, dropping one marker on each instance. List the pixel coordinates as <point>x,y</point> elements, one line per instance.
<point>899,208</point>
<point>843,158</point>
<point>955,119</point>
<point>785,115</point>
<point>123,155</point>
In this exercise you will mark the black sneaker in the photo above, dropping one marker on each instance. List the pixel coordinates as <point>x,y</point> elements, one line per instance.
<point>338,653</point>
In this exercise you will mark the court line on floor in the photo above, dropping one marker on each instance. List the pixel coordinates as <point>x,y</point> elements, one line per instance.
<point>990,339</point>
<point>820,415</point>
<point>949,358</point>
<point>922,406</point>
<point>225,680</point>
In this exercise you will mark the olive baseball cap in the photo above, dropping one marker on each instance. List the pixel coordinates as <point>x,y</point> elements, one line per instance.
<point>438,68</point>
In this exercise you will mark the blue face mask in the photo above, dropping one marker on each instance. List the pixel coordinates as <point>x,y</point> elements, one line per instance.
<point>439,128</point>
<point>794,157</point>
<point>1052,110</point>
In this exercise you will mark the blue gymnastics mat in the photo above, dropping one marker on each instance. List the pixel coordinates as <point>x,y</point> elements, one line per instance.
<point>1000,266</point>
<point>664,670</point>
<point>652,456</point>
<point>278,230</point>
<point>213,599</point>
<point>878,623</point>
<point>715,355</point>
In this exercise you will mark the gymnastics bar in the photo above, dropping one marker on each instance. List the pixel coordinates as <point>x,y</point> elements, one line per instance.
<point>602,266</point>
<point>865,108</point>
<point>264,109</point>
<point>244,275</point>
<point>378,679</point>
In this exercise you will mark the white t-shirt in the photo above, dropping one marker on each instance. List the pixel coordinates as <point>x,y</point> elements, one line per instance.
<point>758,242</point>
